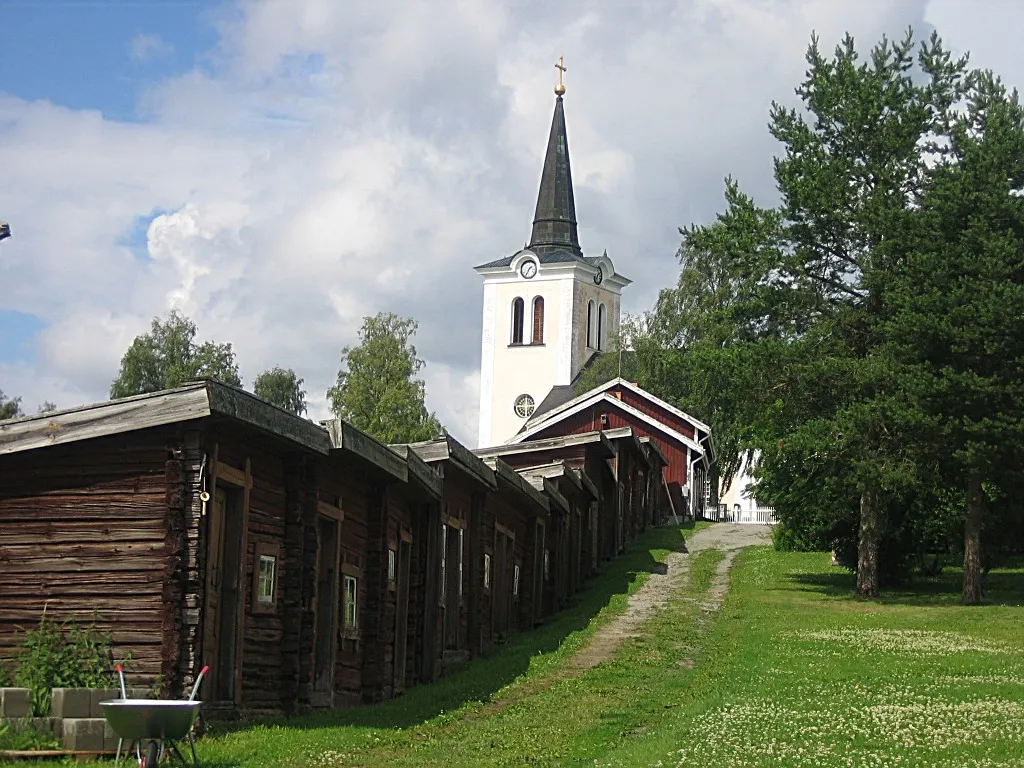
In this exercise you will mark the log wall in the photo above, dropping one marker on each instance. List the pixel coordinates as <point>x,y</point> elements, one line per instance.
<point>87,534</point>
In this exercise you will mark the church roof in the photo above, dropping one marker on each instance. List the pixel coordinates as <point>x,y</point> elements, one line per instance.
<point>549,257</point>
<point>554,238</point>
<point>554,223</point>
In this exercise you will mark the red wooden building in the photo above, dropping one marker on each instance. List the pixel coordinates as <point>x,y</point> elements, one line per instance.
<point>684,442</point>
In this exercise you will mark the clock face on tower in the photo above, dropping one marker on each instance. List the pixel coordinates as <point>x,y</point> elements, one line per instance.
<point>599,276</point>
<point>528,269</point>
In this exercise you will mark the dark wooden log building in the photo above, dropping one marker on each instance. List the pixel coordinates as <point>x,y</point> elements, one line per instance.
<point>308,564</point>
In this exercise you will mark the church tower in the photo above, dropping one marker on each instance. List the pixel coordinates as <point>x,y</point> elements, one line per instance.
<point>547,308</point>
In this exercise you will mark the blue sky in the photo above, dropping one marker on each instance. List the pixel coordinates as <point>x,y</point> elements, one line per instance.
<point>278,169</point>
<point>80,53</point>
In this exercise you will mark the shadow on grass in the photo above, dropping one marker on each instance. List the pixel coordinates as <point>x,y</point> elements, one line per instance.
<point>1002,587</point>
<point>479,679</point>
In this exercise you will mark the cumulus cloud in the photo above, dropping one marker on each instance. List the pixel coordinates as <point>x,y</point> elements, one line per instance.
<point>332,160</point>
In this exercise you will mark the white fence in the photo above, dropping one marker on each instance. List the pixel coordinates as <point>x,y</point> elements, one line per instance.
<point>756,516</point>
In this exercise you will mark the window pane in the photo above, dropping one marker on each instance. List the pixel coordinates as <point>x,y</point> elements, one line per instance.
<point>517,321</point>
<point>351,595</point>
<point>267,567</point>
<point>460,562</point>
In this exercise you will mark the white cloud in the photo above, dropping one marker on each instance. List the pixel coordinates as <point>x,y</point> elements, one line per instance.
<point>143,47</point>
<point>338,159</point>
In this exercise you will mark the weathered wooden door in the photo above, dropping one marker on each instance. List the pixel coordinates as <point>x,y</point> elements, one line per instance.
<point>453,588</point>
<point>224,592</point>
<point>402,614</point>
<point>539,558</point>
<point>214,577</point>
<point>327,601</point>
<point>499,618</point>
<point>508,568</point>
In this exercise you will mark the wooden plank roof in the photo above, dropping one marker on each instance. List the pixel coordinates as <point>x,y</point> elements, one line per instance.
<point>512,479</point>
<point>546,485</point>
<point>554,470</point>
<point>449,449</point>
<point>426,477</point>
<point>193,400</point>
<point>552,443</point>
<point>653,448</point>
<point>346,438</point>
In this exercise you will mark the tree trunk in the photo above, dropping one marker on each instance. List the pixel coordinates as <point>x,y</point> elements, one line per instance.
<point>972,540</point>
<point>871,518</point>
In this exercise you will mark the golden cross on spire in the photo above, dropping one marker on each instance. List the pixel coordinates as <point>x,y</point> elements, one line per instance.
<point>560,66</point>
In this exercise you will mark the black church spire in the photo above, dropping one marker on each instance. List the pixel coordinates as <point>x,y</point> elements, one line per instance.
<point>554,223</point>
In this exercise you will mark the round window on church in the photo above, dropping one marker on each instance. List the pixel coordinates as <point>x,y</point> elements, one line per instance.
<point>524,406</point>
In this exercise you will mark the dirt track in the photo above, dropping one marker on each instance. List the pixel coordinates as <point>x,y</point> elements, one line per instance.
<point>652,595</point>
<point>655,592</point>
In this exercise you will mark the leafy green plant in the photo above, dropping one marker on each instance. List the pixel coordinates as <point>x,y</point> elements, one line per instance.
<point>63,656</point>
<point>5,674</point>
<point>23,735</point>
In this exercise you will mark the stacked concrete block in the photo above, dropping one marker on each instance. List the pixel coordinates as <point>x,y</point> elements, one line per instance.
<point>76,717</point>
<point>83,733</point>
<point>71,703</point>
<point>82,724</point>
<point>15,703</point>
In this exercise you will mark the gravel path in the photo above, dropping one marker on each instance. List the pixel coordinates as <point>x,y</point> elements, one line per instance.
<point>655,592</point>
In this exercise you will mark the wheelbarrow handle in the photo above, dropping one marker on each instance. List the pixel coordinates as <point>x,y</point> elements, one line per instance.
<point>120,675</point>
<point>199,679</point>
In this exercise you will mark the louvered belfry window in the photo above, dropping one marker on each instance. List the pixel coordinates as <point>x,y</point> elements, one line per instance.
<point>538,320</point>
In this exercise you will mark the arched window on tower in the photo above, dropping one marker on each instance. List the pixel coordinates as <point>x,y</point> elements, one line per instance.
<point>590,324</point>
<point>538,320</point>
<point>601,327</point>
<point>517,320</point>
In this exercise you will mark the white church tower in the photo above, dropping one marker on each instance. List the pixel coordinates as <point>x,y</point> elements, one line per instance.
<point>547,308</point>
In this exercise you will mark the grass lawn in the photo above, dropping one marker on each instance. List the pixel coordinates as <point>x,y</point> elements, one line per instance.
<point>796,672</point>
<point>791,671</point>
<point>450,722</point>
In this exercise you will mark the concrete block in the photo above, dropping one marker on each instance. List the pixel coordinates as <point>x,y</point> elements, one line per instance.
<point>45,725</point>
<point>110,738</point>
<point>71,702</point>
<point>15,702</point>
<point>22,724</point>
<point>139,693</point>
<point>83,733</point>
<point>101,694</point>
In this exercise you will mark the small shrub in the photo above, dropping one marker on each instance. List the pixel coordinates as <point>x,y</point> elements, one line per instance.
<point>6,680</point>
<point>24,735</point>
<point>63,656</point>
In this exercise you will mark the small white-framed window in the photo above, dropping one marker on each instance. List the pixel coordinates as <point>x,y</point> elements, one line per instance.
<point>515,581</point>
<point>460,561</point>
<point>487,571</point>
<point>444,562</point>
<point>351,602</point>
<point>590,324</point>
<point>268,571</point>
<point>602,331</point>
<point>392,564</point>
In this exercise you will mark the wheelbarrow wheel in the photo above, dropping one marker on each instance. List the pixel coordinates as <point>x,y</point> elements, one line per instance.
<point>152,755</point>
